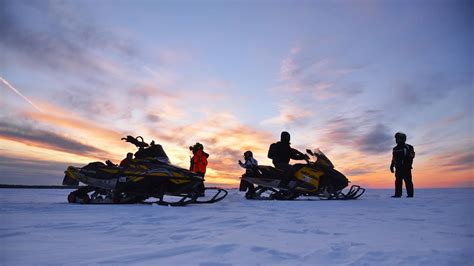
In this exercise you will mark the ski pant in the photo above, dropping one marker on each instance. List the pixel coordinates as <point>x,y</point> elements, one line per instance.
<point>288,173</point>
<point>400,176</point>
<point>201,186</point>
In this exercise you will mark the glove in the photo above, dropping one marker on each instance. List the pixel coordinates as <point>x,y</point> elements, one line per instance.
<point>240,162</point>
<point>391,168</point>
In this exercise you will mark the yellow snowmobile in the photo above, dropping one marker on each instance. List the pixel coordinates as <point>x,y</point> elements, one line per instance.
<point>314,179</point>
<point>150,175</point>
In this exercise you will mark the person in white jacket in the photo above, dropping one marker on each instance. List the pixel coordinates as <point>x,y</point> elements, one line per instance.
<point>251,169</point>
<point>250,163</point>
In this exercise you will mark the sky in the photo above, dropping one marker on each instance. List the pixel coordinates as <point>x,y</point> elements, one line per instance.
<point>342,76</point>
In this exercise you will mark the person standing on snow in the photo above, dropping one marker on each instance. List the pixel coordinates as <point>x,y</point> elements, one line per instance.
<point>199,164</point>
<point>402,160</point>
<point>199,159</point>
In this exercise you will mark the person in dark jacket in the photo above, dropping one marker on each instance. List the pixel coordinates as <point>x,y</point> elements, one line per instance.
<point>402,160</point>
<point>281,153</point>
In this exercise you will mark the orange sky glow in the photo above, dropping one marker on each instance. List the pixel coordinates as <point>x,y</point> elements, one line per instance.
<point>225,141</point>
<point>339,76</point>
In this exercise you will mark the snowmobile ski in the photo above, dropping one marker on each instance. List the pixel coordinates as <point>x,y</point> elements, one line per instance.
<point>218,196</point>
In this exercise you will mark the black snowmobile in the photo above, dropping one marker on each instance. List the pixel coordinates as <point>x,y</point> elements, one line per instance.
<point>313,179</point>
<point>148,175</point>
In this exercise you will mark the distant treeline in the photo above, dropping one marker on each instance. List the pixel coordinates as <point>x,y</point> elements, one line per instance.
<point>36,186</point>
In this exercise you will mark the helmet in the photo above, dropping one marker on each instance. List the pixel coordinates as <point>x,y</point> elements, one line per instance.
<point>285,137</point>
<point>196,147</point>
<point>248,154</point>
<point>401,136</point>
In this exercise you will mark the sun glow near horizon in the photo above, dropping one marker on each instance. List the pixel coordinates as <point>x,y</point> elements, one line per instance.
<point>307,69</point>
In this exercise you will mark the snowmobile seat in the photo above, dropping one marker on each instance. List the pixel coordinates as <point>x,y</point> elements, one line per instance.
<point>271,172</point>
<point>101,171</point>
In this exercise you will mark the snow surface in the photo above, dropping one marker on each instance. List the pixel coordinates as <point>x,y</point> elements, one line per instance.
<point>38,227</point>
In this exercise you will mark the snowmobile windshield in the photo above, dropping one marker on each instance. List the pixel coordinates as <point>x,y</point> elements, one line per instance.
<point>323,159</point>
<point>155,152</point>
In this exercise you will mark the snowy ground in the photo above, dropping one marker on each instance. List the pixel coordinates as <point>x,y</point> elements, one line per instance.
<point>38,227</point>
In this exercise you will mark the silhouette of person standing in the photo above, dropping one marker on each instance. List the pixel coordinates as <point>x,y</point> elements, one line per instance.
<point>402,160</point>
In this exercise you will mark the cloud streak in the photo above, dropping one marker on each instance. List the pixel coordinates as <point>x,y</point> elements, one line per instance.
<point>307,81</point>
<point>46,139</point>
<point>316,77</point>
<point>377,140</point>
<point>289,114</point>
<point>361,133</point>
<point>428,88</point>
<point>8,85</point>
<point>59,117</point>
<point>457,162</point>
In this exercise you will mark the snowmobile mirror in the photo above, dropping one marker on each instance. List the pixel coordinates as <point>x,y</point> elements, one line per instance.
<point>309,152</point>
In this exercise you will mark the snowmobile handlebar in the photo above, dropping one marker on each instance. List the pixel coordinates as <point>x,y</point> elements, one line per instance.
<point>136,142</point>
<point>305,157</point>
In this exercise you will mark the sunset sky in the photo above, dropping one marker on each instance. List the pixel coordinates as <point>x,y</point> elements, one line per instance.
<point>344,76</point>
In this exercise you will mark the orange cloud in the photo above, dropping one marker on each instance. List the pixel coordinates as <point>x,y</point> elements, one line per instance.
<point>15,149</point>
<point>59,129</point>
<point>224,138</point>
<point>47,140</point>
<point>74,123</point>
